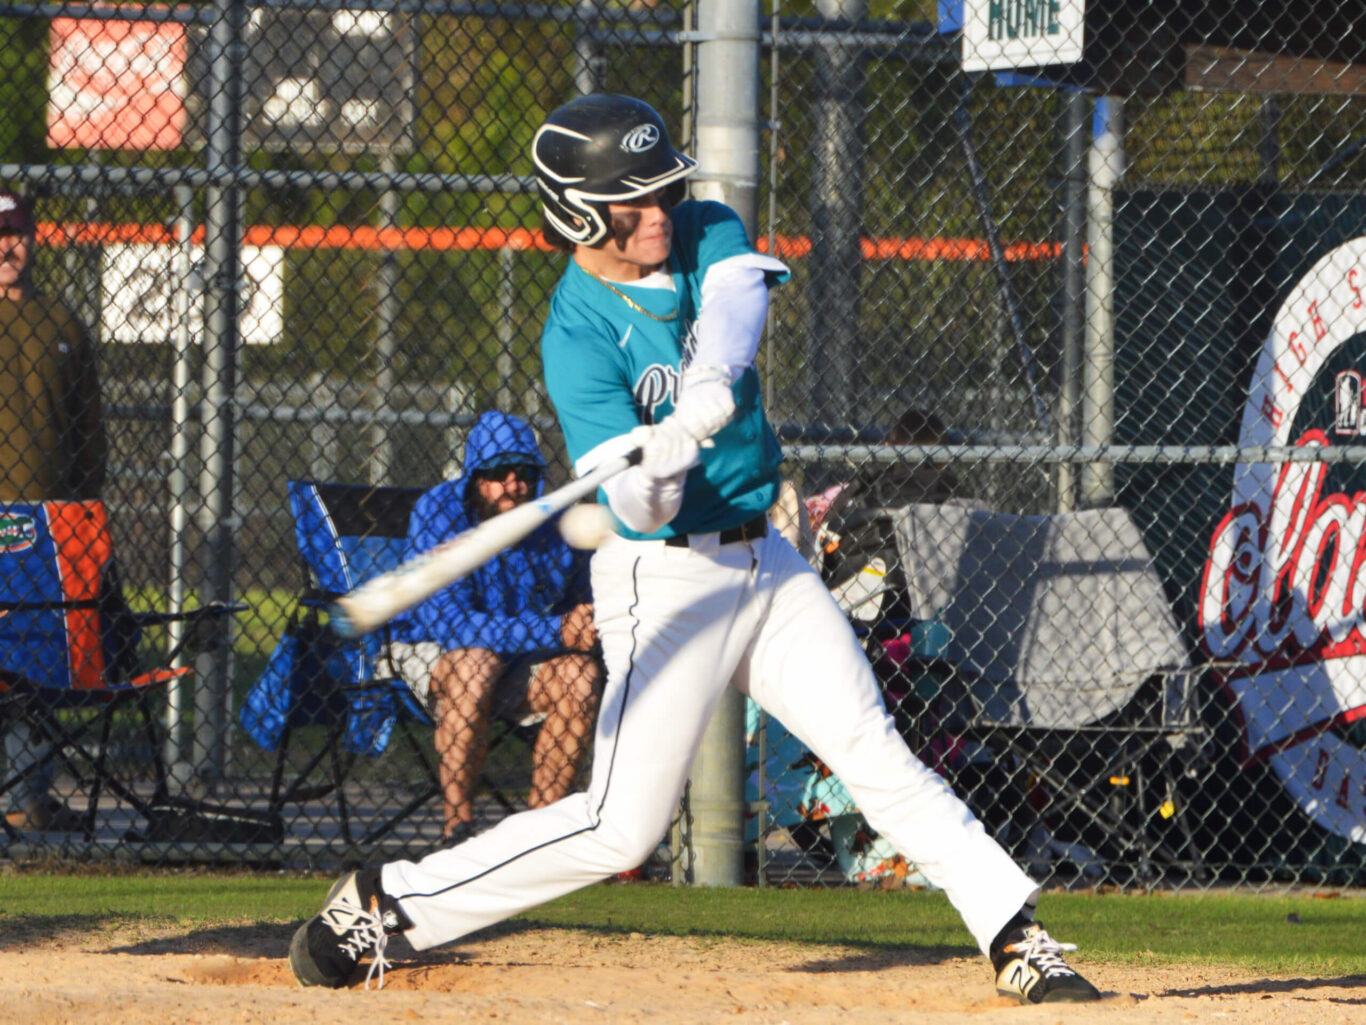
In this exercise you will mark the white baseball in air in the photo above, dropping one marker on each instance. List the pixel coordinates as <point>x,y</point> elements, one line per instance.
<point>585,525</point>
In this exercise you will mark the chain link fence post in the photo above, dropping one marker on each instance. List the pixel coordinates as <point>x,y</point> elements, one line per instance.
<point>727,134</point>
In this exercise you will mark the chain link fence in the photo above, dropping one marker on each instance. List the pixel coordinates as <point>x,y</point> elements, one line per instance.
<point>1066,374</point>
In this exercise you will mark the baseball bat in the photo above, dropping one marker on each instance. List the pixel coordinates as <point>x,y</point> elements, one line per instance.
<point>381,599</point>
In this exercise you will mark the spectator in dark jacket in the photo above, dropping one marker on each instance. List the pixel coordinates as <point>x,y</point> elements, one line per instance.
<point>52,446</point>
<point>514,639</point>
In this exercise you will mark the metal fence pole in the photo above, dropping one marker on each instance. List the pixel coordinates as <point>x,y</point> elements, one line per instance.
<point>1098,370</point>
<point>728,157</point>
<point>587,61</point>
<point>222,263</point>
<point>386,330</point>
<point>178,484</point>
<point>1075,104</point>
<point>507,305</point>
<point>322,436</point>
<point>836,219</point>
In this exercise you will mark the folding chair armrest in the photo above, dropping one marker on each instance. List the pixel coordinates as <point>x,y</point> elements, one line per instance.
<point>316,605</point>
<point>193,617</point>
<point>209,611</point>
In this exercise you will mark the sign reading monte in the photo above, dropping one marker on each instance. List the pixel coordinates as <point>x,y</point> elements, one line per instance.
<point>1000,35</point>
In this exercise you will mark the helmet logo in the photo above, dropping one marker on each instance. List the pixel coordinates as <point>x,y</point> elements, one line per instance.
<point>640,138</point>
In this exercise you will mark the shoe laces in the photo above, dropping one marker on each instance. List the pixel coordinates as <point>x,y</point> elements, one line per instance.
<point>380,963</point>
<point>360,931</point>
<point>1043,952</point>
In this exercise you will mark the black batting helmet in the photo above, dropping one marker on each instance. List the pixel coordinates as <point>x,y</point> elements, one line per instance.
<point>600,149</point>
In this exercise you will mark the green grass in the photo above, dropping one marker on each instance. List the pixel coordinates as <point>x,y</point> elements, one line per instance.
<point>1246,930</point>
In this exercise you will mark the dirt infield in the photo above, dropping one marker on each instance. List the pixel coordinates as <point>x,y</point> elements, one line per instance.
<point>530,973</point>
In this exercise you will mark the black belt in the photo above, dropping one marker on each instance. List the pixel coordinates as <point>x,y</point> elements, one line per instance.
<point>751,531</point>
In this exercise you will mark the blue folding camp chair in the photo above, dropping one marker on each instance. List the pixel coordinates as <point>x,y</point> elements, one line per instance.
<point>69,659</point>
<point>345,535</point>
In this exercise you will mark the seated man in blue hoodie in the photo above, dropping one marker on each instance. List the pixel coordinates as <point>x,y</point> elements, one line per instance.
<point>514,638</point>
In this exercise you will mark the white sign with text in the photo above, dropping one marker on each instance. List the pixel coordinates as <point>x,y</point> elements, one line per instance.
<point>140,282</point>
<point>1000,35</point>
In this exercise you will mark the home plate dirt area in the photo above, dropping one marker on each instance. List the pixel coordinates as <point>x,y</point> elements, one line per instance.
<point>522,972</point>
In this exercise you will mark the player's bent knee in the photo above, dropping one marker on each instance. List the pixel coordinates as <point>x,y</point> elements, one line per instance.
<point>628,859</point>
<point>627,845</point>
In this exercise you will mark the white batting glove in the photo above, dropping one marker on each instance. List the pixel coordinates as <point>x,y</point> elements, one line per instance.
<point>668,449</point>
<point>705,402</point>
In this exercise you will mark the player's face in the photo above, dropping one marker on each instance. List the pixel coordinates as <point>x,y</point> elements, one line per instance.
<point>14,250</point>
<point>641,231</point>
<point>499,489</point>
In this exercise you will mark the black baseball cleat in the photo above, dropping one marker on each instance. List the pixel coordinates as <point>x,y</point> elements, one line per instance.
<point>357,918</point>
<point>1029,968</point>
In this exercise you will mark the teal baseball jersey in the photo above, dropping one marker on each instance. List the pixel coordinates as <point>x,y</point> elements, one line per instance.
<point>613,364</point>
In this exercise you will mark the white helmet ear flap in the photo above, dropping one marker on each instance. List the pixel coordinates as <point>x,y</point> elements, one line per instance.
<point>553,152</point>
<point>583,230</point>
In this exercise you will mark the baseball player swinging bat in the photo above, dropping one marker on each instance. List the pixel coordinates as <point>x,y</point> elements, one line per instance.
<point>379,600</point>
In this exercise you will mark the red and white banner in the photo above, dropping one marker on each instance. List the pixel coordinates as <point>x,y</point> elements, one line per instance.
<point>116,84</point>
<point>1284,587</point>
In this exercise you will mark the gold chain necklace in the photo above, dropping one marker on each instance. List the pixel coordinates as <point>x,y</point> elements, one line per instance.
<point>631,302</point>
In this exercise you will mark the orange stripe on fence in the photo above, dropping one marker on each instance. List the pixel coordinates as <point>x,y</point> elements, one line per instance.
<point>789,247</point>
<point>954,250</point>
<point>61,234</point>
<point>364,237</point>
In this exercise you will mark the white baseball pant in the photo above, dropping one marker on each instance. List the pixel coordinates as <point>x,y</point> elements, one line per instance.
<point>677,625</point>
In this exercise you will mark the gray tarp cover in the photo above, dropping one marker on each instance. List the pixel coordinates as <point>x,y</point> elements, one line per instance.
<point>1059,617</point>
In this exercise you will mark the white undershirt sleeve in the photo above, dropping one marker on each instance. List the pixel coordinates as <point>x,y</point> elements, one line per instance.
<point>640,501</point>
<point>734,306</point>
<point>643,503</point>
